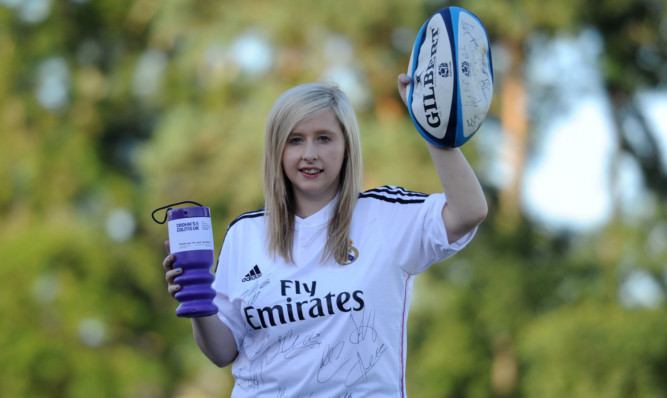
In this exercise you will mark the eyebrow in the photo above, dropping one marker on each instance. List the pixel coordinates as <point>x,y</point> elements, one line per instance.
<point>321,131</point>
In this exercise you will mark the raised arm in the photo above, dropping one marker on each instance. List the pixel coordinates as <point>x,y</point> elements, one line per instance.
<point>466,205</point>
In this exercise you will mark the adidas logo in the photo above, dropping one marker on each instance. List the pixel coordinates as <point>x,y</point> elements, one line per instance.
<point>252,275</point>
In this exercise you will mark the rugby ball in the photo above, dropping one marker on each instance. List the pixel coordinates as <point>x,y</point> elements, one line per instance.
<point>452,77</point>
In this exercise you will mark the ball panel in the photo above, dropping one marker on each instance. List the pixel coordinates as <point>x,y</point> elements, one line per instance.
<point>452,78</point>
<point>432,88</point>
<point>474,73</point>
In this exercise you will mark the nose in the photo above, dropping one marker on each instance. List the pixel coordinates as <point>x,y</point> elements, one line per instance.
<point>310,152</point>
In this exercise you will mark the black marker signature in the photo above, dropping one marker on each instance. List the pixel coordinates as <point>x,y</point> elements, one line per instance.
<point>363,366</point>
<point>363,328</point>
<point>253,379</point>
<point>291,345</point>
<point>354,365</point>
<point>252,294</point>
<point>282,392</point>
<point>331,364</point>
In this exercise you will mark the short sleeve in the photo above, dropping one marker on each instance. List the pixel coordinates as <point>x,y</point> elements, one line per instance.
<point>413,228</point>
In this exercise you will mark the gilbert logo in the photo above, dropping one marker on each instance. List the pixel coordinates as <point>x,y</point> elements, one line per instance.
<point>352,254</point>
<point>429,100</point>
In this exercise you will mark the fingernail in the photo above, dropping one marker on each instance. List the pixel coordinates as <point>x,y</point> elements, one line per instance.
<point>179,270</point>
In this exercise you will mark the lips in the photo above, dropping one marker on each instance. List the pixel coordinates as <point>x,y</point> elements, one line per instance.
<point>311,172</point>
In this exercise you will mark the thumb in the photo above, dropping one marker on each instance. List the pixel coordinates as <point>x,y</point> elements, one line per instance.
<point>403,81</point>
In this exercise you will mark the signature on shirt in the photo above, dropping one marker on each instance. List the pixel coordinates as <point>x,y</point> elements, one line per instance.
<point>357,366</point>
<point>353,358</point>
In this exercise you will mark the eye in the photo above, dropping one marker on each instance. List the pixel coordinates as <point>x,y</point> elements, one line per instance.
<point>294,140</point>
<point>324,138</point>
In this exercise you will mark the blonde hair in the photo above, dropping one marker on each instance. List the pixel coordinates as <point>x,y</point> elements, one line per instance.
<point>294,106</point>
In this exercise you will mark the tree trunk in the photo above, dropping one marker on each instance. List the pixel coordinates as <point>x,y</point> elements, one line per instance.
<point>514,120</point>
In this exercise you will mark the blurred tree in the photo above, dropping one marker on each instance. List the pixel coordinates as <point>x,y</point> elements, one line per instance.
<point>111,108</point>
<point>494,305</point>
<point>83,303</point>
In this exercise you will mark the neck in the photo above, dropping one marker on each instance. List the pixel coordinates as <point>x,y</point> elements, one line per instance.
<point>306,207</point>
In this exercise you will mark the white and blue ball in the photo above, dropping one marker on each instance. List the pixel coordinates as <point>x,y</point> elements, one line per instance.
<point>452,77</point>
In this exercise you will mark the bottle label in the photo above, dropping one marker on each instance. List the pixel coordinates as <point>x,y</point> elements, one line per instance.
<point>195,233</point>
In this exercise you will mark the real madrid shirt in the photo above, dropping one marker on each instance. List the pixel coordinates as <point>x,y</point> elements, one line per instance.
<point>320,329</point>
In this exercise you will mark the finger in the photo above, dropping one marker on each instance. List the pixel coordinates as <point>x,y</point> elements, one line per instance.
<point>173,289</point>
<point>168,262</point>
<point>171,274</point>
<point>167,246</point>
<point>403,81</point>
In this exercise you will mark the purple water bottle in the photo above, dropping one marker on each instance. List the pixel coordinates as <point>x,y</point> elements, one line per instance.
<point>191,243</point>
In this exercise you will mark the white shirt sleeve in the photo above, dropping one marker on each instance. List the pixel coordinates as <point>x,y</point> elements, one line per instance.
<point>417,235</point>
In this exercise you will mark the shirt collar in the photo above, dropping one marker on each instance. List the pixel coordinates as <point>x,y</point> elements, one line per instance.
<point>321,217</point>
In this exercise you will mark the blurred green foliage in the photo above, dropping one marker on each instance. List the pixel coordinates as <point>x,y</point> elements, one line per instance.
<point>111,108</point>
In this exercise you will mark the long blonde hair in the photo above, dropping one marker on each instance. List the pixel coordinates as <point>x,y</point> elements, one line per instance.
<point>294,106</point>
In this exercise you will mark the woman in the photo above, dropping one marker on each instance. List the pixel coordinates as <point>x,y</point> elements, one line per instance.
<point>313,291</point>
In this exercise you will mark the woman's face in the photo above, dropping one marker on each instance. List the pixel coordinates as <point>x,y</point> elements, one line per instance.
<point>312,161</point>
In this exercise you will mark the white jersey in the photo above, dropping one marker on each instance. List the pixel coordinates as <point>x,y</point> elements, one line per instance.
<point>314,329</point>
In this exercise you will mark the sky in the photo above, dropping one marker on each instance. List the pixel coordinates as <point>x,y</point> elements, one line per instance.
<point>568,182</point>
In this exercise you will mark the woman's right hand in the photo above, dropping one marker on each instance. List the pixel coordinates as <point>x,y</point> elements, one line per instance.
<point>170,272</point>
<point>212,336</point>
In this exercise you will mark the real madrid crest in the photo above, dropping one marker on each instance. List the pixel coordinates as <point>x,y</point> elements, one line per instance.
<point>352,254</point>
